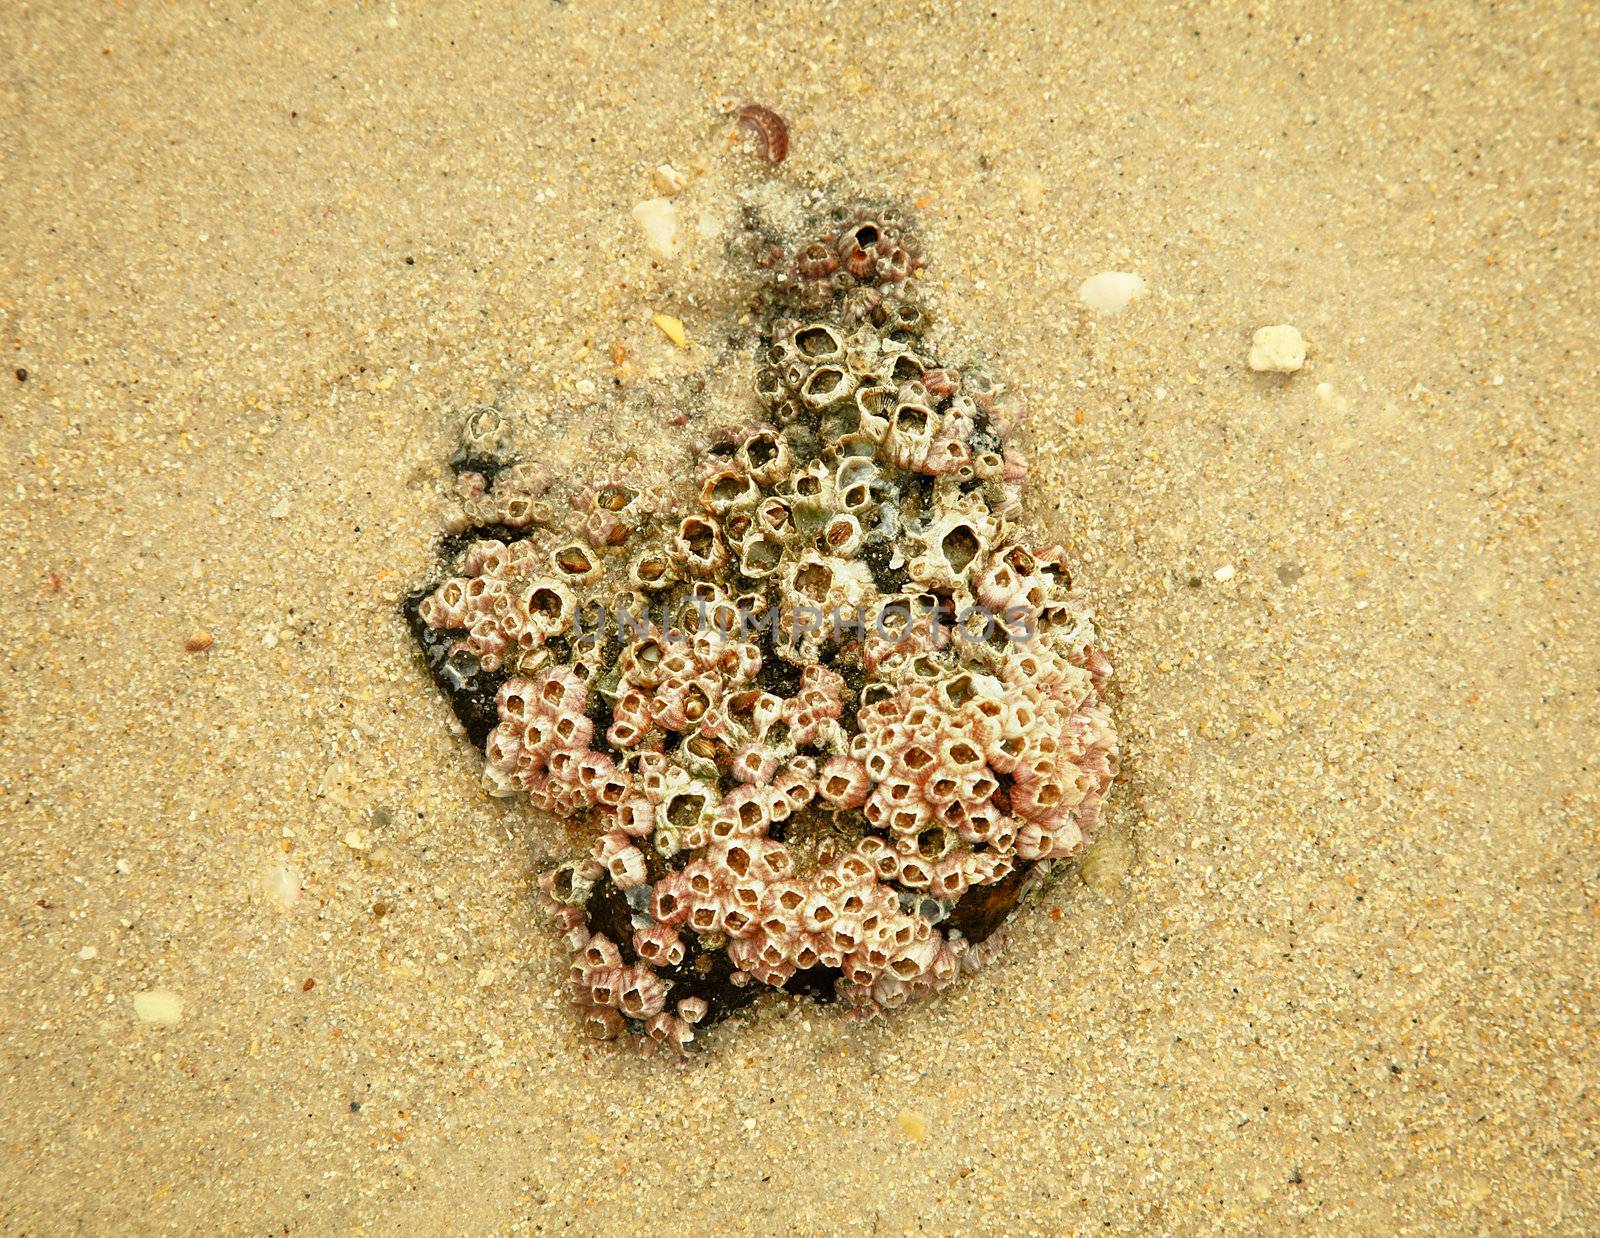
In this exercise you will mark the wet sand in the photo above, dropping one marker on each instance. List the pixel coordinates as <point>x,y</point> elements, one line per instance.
<point>253,265</point>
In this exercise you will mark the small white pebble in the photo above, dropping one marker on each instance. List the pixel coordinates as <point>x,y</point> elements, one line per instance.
<point>585,386</point>
<point>1331,399</point>
<point>658,219</point>
<point>913,1125</point>
<point>709,226</point>
<point>1225,572</point>
<point>1277,350</point>
<point>356,840</point>
<point>87,953</point>
<point>668,180</point>
<point>123,867</point>
<point>1110,291</point>
<point>749,1124</point>
<point>485,977</point>
<point>283,885</point>
<point>270,640</point>
<point>279,510</point>
<point>158,1006</point>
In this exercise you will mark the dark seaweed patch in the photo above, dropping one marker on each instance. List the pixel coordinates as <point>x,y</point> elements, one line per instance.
<point>452,544</point>
<point>465,684</point>
<point>878,557</point>
<point>818,983</point>
<point>983,909</point>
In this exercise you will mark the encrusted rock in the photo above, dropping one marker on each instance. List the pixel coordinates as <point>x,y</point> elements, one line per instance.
<point>823,711</point>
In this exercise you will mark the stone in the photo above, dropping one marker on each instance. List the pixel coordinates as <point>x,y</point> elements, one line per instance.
<point>283,885</point>
<point>1110,291</point>
<point>658,219</point>
<point>912,1125</point>
<point>161,1006</point>
<point>668,180</point>
<point>1277,350</point>
<point>672,328</point>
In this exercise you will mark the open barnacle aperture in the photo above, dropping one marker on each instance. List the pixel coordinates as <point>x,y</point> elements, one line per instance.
<point>822,712</point>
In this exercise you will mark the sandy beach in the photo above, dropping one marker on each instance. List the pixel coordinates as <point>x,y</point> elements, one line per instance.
<point>254,264</point>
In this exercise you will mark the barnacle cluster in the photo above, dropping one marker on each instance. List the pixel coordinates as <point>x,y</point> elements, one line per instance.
<point>822,712</point>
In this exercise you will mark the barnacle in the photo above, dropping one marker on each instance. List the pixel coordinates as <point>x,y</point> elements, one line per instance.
<point>823,713</point>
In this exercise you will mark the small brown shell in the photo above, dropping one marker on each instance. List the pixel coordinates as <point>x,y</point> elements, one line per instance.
<point>770,129</point>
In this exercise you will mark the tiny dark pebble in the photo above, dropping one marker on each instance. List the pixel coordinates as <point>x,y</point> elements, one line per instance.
<point>22,375</point>
<point>411,262</point>
<point>1296,1178</point>
<point>355,1106</point>
<point>1290,572</point>
<point>1393,1069</point>
<point>1194,582</point>
<point>307,986</point>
